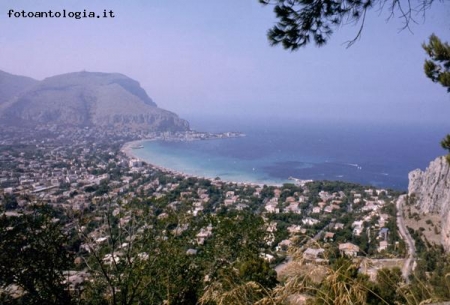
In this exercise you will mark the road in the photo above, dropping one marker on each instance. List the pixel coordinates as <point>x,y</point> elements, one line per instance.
<point>408,265</point>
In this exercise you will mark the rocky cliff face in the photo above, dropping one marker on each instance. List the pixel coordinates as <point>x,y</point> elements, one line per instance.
<point>431,189</point>
<point>85,99</point>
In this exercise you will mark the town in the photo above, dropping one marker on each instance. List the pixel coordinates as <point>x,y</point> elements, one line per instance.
<point>106,202</point>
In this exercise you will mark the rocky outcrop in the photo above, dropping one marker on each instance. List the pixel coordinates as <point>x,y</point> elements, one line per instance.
<point>105,100</point>
<point>431,189</point>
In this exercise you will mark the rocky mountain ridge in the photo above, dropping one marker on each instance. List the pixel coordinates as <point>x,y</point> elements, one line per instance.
<point>105,100</point>
<point>431,189</point>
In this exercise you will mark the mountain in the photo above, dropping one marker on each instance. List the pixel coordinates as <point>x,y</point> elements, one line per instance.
<point>13,85</point>
<point>431,189</point>
<point>86,99</point>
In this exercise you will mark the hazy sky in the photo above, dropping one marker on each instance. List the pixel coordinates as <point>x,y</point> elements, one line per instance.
<point>211,57</point>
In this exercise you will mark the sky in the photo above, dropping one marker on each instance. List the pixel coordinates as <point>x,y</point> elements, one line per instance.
<point>208,58</point>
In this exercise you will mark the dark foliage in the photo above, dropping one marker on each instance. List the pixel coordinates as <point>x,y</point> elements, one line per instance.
<point>33,257</point>
<point>301,22</point>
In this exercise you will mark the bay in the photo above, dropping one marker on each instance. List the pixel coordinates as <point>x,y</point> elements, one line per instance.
<point>377,154</point>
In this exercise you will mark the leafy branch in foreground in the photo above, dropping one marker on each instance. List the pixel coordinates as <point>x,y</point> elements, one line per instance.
<point>33,258</point>
<point>437,68</point>
<point>303,21</point>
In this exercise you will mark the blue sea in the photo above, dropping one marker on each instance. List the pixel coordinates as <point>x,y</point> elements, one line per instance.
<point>376,154</point>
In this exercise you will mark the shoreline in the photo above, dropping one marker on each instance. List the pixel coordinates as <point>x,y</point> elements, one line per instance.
<point>127,150</point>
<point>200,173</point>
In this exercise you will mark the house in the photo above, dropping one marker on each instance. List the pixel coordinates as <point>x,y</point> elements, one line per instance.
<point>309,221</point>
<point>294,229</point>
<point>277,193</point>
<point>329,236</point>
<point>143,256</point>
<point>322,204</point>
<point>383,245</point>
<point>290,199</point>
<point>229,194</point>
<point>293,208</point>
<point>383,234</point>
<point>203,234</point>
<point>369,191</point>
<point>267,257</point>
<point>271,206</point>
<point>75,279</point>
<point>185,194</point>
<point>313,254</point>
<point>328,209</point>
<point>370,206</point>
<point>228,202</point>
<point>331,208</point>
<point>201,191</point>
<point>204,197</point>
<point>302,198</point>
<point>381,191</point>
<point>241,206</point>
<point>109,258</point>
<point>338,226</point>
<point>272,227</point>
<point>283,245</point>
<point>382,220</point>
<point>135,163</point>
<point>325,195</point>
<point>335,206</point>
<point>191,252</point>
<point>180,229</point>
<point>316,210</point>
<point>348,249</point>
<point>358,227</point>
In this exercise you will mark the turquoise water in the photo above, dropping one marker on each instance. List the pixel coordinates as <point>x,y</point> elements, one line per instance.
<point>200,158</point>
<point>369,154</point>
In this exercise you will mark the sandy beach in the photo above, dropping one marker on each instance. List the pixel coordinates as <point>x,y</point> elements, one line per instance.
<point>128,150</point>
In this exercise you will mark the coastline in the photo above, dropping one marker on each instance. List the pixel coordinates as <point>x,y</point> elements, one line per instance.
<point>127,150</point>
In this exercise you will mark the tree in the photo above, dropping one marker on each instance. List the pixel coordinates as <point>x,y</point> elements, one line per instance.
<point>437,68</point>
<point>445,143</point>
<point>142,261</point>
<point>343,285</point>
<point>33,257</point>
<point>387,287</point>
<point>303,21</point>
<point>235,272</point>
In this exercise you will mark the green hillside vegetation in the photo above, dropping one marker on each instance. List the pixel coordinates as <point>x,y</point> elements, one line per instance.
<point>150,250</point>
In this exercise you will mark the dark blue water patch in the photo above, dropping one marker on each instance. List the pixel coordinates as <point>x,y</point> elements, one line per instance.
<point>375,154</point>
<point>337,172</point>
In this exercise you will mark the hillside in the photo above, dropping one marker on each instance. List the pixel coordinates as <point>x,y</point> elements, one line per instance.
<point>13,85</point>
<point>85,99</point>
